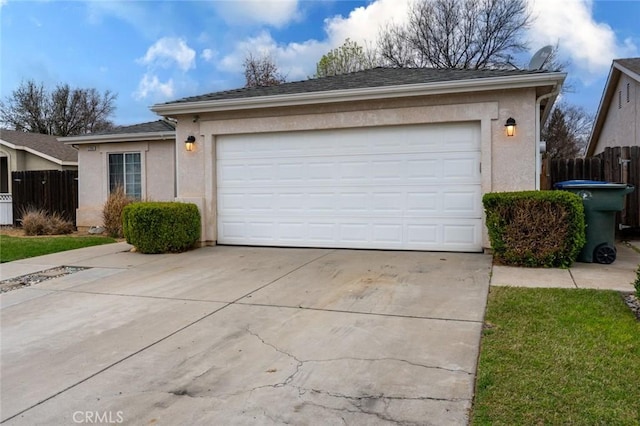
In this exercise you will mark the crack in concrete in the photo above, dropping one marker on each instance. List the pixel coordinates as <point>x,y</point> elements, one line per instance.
<point>358,402</point>
<point>299,362</point>
<point>359,409</point>
<point>432,367</point>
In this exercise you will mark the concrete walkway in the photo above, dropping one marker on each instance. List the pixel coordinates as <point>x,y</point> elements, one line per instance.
<point>618,276</point>
<point>241,335</point>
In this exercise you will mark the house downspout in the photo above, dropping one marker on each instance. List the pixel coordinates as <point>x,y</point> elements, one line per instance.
<point>555,92</point>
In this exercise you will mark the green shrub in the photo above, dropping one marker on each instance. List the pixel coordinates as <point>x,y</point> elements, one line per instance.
<point>40,222</point>
<point>112,212</point>
<point>535,228</point>
<point>161,227</point>
<point>636,283</point>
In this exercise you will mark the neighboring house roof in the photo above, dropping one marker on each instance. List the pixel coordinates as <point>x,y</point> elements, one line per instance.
<point>44,146</point>
<point>153,130</point>
<point>628,66</point>
<point>362,85</point>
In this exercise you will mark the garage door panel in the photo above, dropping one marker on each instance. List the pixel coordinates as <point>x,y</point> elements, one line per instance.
<point>411,187</point>
<point>362,141</point>
<point>390,233</point>
<point>432,201</point>
<point>421,168</point>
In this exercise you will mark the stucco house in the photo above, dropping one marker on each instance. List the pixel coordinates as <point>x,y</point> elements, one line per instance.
<point>23,151</point>
<point>139,157</point>
<point>383,158</point>
<point>618,119</point>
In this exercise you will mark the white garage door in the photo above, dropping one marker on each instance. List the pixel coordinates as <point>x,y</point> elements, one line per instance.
<point>404,187</point>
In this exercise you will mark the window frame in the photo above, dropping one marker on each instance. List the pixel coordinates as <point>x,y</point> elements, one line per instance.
<point>124,172</point>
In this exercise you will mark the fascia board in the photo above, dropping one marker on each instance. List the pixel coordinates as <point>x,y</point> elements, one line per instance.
<point>124,137</point>
<point>40,154</point>
<point>7,144</point>
<point>370,93</point>
<point>603,108</point>
<point>627,71</point>
<point>34,152</point>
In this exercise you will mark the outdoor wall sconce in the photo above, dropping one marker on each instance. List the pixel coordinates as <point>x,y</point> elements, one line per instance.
<point>510,126</point>
<point>188,144</point>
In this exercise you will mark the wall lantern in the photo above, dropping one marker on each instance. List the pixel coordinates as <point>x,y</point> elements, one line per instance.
<point>511,126</point>
<point>188,144</point>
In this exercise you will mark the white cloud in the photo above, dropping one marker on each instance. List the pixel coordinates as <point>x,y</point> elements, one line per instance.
<point>151,86</point>
<point>251,12</point>
<point>363,23</point>
<point>297,60</point>
<point>169,50</point>
<point>589,45</point>
<point>207,55</point>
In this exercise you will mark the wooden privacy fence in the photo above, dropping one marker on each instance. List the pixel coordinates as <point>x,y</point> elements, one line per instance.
<point>619,164</point>
<point>51,190</point>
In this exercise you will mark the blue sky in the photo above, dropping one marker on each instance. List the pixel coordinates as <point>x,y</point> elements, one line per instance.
<point>156,51</point>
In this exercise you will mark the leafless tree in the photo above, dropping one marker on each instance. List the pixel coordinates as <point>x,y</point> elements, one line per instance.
<point>470,34</point>
<point>61,112</point>
<point>261,71</point>
<point>567,131</point>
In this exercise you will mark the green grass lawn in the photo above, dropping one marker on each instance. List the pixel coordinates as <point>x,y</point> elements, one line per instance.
<point>558,357</point>
<point>14,248</point>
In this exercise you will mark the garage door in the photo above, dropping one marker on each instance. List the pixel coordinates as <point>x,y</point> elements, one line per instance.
<point>404,187</point>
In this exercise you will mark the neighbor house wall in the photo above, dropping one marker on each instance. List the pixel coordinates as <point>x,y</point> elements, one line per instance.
<point>19,160</point>
<point>622,123</point>
<point>508,163</point>
<point>158,177</point>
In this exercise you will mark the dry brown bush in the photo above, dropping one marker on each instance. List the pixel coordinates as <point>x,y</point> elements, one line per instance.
<point>40,222</point>
<point>112,212</point>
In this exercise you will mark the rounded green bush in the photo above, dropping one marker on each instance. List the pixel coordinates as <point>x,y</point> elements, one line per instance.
<point>161,227</point>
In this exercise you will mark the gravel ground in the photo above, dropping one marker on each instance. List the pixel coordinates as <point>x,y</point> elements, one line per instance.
<point>37,277</point>
<point>633,303</point>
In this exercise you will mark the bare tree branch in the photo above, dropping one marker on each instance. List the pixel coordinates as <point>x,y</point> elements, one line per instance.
<point>472,34</point>
<point>261,71</point>
<point>62,112</point>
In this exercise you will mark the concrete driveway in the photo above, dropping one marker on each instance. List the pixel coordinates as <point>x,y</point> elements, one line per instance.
<point>242,335</point>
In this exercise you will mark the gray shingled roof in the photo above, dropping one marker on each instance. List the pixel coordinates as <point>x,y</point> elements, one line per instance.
<point>376,77</point>
<point>632,64</point>
<point>150,127</point>
<point>46,144</point>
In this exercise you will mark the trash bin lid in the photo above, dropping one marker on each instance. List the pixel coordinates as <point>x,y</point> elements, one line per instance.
<point>593,184</point>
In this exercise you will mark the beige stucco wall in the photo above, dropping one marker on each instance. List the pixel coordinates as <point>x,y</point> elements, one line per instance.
<point>622,123</point>
<point>508,163</point>
<point>158,177</point>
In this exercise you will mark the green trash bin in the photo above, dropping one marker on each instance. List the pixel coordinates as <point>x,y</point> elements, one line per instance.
<point>601,202</point>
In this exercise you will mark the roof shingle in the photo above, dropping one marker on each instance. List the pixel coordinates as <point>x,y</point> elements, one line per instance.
<point>149,127</point>
<point>45,144</point>
<point>632,64</point>
<point>376,77</point>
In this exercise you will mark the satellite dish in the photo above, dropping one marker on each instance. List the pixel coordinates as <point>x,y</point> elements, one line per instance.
<point>540,58</point>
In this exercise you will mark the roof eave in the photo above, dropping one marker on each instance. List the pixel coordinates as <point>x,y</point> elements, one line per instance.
<point>627,71</point>
<point>603,108</point>
<point>361,94</point>
<point>124,137</point>
<point>37,153</point>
